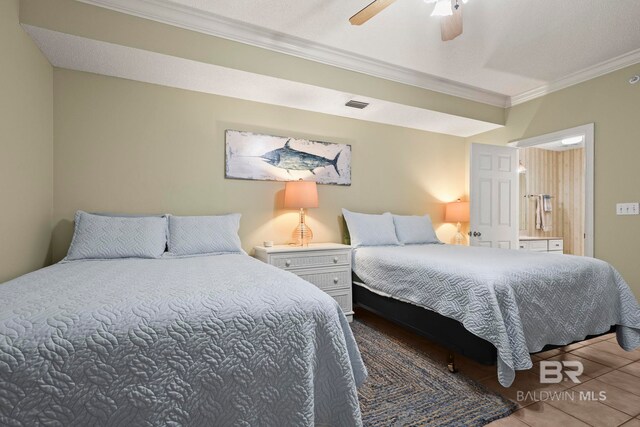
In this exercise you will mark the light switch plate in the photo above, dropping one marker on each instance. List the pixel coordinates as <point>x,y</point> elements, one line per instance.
<point>628,209</point>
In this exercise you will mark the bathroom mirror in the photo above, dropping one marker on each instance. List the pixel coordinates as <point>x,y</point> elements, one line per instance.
<point>522,176</point>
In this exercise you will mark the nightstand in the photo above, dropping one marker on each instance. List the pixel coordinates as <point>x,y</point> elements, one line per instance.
<point>326,265</point>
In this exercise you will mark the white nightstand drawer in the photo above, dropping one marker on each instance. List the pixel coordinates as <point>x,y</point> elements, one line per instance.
<point>311,259</point>
<point>344,300</point>
<point>325,265</point>
<point>523,245</point>
<point>327,280</point>
<point>556,245</point>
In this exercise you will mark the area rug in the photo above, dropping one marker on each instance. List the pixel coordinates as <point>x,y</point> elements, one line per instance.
<point>406,387</point>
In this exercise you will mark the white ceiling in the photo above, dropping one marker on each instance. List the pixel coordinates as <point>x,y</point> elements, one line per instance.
<point>83,54</point>
<point>517,49</point>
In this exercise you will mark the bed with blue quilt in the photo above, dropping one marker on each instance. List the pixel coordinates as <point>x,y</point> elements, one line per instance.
<point>175,339</point>
<point>511,302</point>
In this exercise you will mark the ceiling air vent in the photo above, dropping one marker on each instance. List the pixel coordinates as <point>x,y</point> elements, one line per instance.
<point>357,104</point>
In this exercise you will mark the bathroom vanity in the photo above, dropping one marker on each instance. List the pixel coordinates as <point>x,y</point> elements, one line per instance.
<point>541,244</point>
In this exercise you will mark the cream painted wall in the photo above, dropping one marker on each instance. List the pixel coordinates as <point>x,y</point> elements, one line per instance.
<point>126,146</point>
<point>26,149</point>
<point>614,106</point>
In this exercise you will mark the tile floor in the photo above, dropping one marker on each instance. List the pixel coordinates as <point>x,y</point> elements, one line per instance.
<point>607,368</point>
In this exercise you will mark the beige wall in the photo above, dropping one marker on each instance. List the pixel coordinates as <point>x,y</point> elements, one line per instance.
<point>614,106</point>
<point>26,149</point>
<point>126,146</point>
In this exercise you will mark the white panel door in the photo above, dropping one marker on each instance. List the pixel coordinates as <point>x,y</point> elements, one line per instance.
<point>494,195</point>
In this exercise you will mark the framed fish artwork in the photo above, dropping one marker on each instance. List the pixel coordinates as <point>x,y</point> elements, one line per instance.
<point>277,158</point>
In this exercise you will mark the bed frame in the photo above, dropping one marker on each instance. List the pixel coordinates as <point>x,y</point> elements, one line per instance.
<point>435,327</point>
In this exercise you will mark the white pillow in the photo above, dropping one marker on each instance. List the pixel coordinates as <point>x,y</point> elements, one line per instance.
<point>370,230</point>
<point>110,237</point>
<point>194,235</point>
<point>413,230</point>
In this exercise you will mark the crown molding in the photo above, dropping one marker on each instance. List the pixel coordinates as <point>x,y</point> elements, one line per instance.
<point>581,76</point>
<point>167,12</point>
<point>87,55</point>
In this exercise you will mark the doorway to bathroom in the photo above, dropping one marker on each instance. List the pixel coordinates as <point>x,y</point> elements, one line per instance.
<point>555,183</point>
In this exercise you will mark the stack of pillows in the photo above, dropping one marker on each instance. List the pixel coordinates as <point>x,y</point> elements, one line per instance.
<point>102,236</point>
<point>388,229</point>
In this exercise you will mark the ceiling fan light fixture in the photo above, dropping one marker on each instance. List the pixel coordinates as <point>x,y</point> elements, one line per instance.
<point>443,8</point>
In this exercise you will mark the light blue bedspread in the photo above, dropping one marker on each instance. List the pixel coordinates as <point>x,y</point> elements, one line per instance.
<point>518,301</point>
<point>217,340</point>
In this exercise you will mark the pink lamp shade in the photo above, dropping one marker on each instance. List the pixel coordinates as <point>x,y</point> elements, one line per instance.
<point>300,195</point>
<point>457,212</point>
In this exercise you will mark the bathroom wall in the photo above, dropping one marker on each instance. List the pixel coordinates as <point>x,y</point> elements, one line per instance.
<point>571,194</point>
<point>542,178</point>
<point>561,175</point>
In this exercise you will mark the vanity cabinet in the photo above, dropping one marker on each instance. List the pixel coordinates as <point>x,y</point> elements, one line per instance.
<point>553,245</point>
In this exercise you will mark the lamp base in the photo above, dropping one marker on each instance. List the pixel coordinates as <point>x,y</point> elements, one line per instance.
<point>302,234</point>
<point>458,239</point>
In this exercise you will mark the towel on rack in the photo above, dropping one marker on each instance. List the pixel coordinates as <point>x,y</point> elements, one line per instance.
<point>546,199</point>
<point>539,214</point>
<point>543,218</point>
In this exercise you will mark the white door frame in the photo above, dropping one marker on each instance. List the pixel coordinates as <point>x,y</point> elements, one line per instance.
<point>588,132</point>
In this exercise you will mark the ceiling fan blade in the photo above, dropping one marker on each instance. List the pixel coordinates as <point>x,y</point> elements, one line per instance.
<point>369,11</point>
<point>451,26</point>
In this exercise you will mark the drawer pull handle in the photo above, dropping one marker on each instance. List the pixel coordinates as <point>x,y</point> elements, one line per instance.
<point>335,280</point>
<point>335,259</point>
<point>287,262</point>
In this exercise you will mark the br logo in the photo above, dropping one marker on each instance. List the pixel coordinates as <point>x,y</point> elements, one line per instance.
<point>555,372</point>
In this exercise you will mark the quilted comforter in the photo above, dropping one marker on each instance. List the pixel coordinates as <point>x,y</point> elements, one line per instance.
<point>216,340</point>
<point>518,301</point>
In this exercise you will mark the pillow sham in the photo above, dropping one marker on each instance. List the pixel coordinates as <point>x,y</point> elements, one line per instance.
<point>370,230</point>
<point>111,237</point>
<point>194,235</point>
<point>413,229</point>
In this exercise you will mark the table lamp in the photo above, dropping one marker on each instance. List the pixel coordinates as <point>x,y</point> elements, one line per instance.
<point>301,195</point>
<point>457,212</point>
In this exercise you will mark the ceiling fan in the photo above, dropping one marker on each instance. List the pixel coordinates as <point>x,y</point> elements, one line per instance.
<point>450,12</point>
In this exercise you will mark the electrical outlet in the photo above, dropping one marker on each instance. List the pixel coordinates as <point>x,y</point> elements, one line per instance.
<point>628,209</point>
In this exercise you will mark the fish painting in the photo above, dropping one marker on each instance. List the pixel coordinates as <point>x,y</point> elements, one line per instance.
<point>290,159</point>
<point>276,158</point>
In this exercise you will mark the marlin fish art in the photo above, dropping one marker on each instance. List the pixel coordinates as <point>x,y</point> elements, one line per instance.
<point>291,159</point>
<point>276,158</point>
